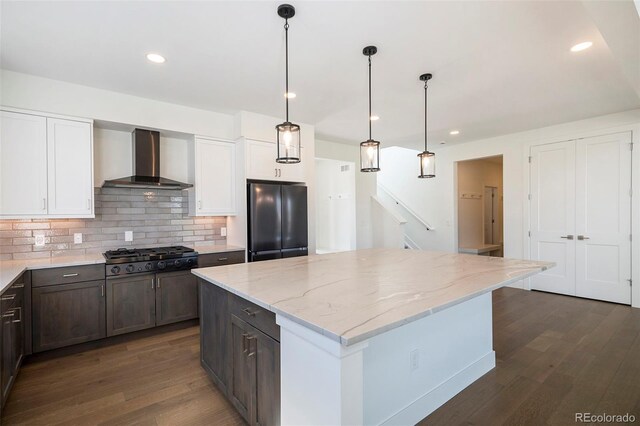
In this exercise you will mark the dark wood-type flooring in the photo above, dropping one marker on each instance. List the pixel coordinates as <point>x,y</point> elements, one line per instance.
<point>556,356</point>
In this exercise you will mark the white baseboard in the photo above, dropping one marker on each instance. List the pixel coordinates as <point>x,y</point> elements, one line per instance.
<point>436,397</point>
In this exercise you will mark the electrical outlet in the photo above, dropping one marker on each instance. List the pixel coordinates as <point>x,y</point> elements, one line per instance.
<point>128,235</point>
<point>223,231</point>
<point>77,238</point>
<point>414,357</point>
<point>39,240</point>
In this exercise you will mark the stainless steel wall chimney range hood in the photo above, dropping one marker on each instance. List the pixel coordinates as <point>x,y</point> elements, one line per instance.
<point>146,165</point>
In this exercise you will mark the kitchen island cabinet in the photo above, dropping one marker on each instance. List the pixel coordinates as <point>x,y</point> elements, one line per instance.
<point>412,327</point>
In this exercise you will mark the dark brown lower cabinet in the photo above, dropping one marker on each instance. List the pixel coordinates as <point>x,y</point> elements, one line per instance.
<point>67,314</point>
<point>176,297</point>
<point>12,336</point>
<point>131,303</point>
<point>242,360</point>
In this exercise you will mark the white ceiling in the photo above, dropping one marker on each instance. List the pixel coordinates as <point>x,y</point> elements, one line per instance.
<point>499,67</point>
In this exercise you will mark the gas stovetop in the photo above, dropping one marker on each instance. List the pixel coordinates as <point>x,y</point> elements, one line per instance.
<point>130,261</point>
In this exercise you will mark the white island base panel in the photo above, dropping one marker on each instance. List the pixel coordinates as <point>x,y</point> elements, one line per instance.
<point>376,381</point>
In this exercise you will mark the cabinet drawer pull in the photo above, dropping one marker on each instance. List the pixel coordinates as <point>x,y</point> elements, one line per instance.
<point>19,309</point>
<point>248,312</point>
<point>70,275</point>
<point>18,286</point>
<point>9,314</point>
<point>222,259</point>
<point>9,297</point>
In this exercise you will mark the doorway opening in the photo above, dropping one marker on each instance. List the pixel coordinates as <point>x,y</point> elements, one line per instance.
<point>480,206</point>
<point>336,206</point>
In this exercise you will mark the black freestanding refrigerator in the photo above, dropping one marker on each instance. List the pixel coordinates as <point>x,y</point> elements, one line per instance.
<point>277,222</point>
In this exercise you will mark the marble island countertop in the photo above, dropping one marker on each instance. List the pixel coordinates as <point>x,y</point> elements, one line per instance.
<point>352,296</point>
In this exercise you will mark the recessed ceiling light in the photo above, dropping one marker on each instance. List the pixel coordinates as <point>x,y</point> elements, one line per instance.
<point>156,58</point>
<point>290,95</point>
<point>374,118</point>
<point>581,46</point>
<point>454,132</point>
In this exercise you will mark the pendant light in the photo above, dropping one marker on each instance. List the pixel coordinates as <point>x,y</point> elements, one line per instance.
<point>427,159</point>
<point>370,149</point>
<point>288,133</point>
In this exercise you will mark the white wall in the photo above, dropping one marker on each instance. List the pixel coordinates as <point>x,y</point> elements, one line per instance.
<point>436,199</point>
<point>365,186</point>
<point>42,94</point>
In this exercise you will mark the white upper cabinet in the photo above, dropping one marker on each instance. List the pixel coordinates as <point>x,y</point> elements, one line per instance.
<point>70,172</point>
<point>23,165</point>
<point>261,163</point>
<point>214,190</point>
<point>46,167</point>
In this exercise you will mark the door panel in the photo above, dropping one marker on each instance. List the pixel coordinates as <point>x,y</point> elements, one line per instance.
<point>265,221</point>
<point>243,369</point>
<point>603,218</point>
<point>214,333</point>
<point>553,215</point>
<point>176,297</point>
<point>67,314</point>
<point>267,380</point>
<point>23,164</point>
<point>294,216</point>
<point>215,177</point>
<point>130,304</point>
<point>70,162</point>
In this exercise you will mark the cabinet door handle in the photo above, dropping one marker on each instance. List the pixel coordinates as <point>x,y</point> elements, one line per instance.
<point>158,284</point>
<point>8,297</point>
<point>44,204</point>
<point>70,275</point>
<point>19,309</point>
<point>222,259</point>
<point>152,283</point>
<point>18,286</point>
<point>276,170</point>
<point>199,205</point>
<point>88,203</point>
<point>567,237</point>
<point>102,290</point>
<point>251,352</point>
<point>244,343</point>
<point>279,172</point>
<point>582,237</point>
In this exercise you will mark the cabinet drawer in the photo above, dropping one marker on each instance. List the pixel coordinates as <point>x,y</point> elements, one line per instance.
<point>219,259</point>
<point>253,314</point>
<point>67,275</point>
<point>11,296</point>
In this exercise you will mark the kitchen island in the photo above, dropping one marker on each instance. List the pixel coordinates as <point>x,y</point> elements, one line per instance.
<point>377,336</point>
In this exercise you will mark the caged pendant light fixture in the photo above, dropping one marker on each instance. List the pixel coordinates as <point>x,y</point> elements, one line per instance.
<point>370,149</point>
<point>427,159</point>
<point>288,133</point>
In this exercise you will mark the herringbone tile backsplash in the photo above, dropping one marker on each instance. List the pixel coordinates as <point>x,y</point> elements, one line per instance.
<point>156,217</point>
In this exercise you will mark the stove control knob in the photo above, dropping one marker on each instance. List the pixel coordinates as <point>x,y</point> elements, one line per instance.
<point>148,266</point>
<point>162,264</point>
<point>130,268</point>
<point>177,263</point>
<point>189,262</point>
<point>115,270</point>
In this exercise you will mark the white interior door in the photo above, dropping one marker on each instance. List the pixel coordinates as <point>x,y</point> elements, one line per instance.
<point>603,218</point>
<point>553,216</point>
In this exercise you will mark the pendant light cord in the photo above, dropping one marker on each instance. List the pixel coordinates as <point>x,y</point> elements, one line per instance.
<point>286,55</point>
<point>369,97</point>
<point>425,116</point>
